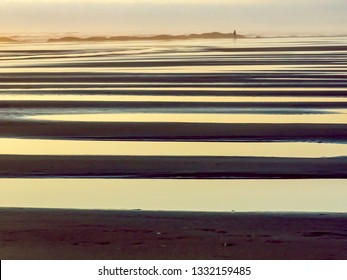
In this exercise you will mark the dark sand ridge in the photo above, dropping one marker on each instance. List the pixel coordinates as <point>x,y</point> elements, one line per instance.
<point>90,234</point>
<point>324,84</point>
<point>173,131</point>
<point>267,91</point>
<point>197,167</point>
<point>149,105</point>
<point>178,63</point>
<point>208,79</point>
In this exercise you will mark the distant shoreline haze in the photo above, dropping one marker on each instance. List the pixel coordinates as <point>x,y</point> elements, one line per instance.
<point>81,38</point>
<point>7,40</point>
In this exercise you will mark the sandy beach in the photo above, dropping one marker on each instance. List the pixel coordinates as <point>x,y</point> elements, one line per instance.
<point>88,234</point>
<point>61,102</point>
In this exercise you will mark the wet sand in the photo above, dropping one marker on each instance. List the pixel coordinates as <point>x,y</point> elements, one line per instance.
<point>198,167</point>
<point>251,68</point>
<point>173,131</point>
<point>84,234</point>
<point>133,105</point>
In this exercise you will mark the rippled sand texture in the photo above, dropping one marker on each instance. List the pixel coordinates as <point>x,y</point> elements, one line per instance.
<point>250,124</point>
<point>251,91</point>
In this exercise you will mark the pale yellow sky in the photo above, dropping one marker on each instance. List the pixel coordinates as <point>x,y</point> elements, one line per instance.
<point>150,1</point>
<point>174,16</point>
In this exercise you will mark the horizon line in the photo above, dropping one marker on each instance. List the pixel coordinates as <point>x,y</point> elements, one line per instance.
<point>84,37</point>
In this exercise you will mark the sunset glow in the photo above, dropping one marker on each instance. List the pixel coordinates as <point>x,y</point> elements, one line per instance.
<point>173,16</point>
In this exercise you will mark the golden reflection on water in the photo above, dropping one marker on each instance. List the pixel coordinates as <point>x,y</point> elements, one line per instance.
<point>161,98</point>
<point>144,148</point>
<point>15,67</point>
<point>333,117</point>
<point>171,89</point>
<point>181,195</point>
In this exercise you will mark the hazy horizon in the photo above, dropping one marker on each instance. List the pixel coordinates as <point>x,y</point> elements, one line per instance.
<point>151,17</point>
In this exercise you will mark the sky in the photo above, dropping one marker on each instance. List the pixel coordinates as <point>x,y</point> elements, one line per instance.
<point>137,17</point>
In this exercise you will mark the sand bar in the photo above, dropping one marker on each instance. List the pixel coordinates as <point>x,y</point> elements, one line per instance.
<point>265,91</point>
<point>149,105</point>
<point>197,167</point>
<point>209,79</point>
<point>174,131</point>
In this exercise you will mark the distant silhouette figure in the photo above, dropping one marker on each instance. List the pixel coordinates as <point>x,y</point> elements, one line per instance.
<point>235,34</point>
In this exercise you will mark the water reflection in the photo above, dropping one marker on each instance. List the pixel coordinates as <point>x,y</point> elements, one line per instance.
<point>182,195</point>
<point>143,148</point>
<point>144,71</point>
<point>330,117</point>
<point>161,98</point>
<point>178,91</point>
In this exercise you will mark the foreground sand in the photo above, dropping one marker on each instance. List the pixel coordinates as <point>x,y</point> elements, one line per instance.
<point>87,234</point>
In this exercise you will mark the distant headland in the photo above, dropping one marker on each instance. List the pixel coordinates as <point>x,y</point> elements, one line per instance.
<point>211,35</point>
<point>7,40</point>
